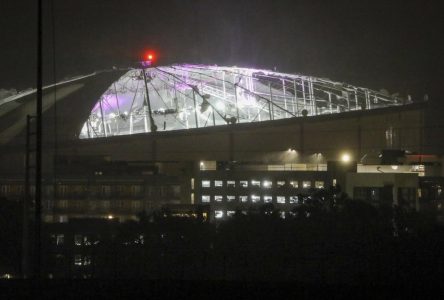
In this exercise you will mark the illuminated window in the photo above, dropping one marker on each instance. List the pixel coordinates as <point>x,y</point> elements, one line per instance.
<point>280,199</point>
<point>267,184</point>
<point>78,260</point>
<point>192,183</point>
<point>282,214</point>
<point>280,183</point>
<point>268,199</point>
<point>58,239</point>
<point>255,183</point>
<point>319,184</point>
<point>306,184</point>
<point>231,183</point>
<point>231,198</point>
<point>63,219</point>
<point>218,198</point>
<point>230,213</point>
<point>78,240</point>
<point>205,183</point>
<point>255,199</point>
<point>218,183</point>
<point>192,198</point>
<point>218,214</point>
<point>205,199</point>
<point>243,183</point>
<point>243,199</point>
<point>294,184</point>
<point>293,199</point>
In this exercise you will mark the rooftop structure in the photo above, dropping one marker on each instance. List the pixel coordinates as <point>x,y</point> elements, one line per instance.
<point>193,96</point>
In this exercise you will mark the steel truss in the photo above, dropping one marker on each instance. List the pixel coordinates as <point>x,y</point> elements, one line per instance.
<point>193,96</point>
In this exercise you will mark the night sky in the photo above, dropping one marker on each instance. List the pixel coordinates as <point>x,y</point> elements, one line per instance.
<point>396,45</point>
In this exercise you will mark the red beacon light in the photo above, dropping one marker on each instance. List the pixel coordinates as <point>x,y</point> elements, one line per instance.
<point>148,59</point>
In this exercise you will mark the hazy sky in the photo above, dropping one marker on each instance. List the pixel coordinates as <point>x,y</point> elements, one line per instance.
<point>397,45</point>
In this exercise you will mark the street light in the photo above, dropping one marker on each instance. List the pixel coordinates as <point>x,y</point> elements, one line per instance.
<point>345,158</point>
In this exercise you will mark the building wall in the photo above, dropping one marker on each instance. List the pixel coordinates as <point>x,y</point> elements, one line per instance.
<point>393,181</point>
<point>359,133</point>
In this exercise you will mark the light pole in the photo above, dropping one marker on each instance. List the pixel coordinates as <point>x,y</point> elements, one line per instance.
<point>145,64</point>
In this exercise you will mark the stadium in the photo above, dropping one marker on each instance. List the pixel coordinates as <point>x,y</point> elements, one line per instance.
<point>124,141</point>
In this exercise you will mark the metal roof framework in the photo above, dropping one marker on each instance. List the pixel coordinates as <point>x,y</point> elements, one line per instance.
<point>189,96</point>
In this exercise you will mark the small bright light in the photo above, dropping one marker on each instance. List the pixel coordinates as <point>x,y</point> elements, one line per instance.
<point>150,56</point>
<point>201,163</point>
<point>345,157</point>
<point>110,217</point>
<point>395,167</point>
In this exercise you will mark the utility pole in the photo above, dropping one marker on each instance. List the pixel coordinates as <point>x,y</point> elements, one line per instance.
<point>38,167</point>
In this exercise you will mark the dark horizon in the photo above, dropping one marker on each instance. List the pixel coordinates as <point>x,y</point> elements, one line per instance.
<point>395,46</point>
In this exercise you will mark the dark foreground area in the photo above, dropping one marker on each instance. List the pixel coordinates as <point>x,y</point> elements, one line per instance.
<point>139,289</point>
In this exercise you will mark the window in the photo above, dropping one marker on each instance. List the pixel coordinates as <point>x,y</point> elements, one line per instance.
<point>243,199</point>
<point>78,260</point>
<point>218,183</point>
<point>231,183</point>
<point>319,184</point>
<point>267,184</point>
<point>58,239</point>
<point>230,213</point>
<point>306,184</point>
<point>192,183</point>
<point>231,198</point>
<point>218,198</point>
<point>78,239</point>
<point>176,190</point>
<point>62,204</point>
<point>205,199</point>
<point>294,199</point>
<point>218,214</point>
<point>243,183</point>
<point>280,199</point>
<point>63,219</point>
<point>280,183</point>
<point>255,183</point>
<point>282,214</point>
<point>205,183</point>
<point>105,204</point>
<point>106,190</point>
<point>268,199</point>
<point>192,198</point>
<point>136,205</point>
<point>294,184</point>
<point>255,199</point>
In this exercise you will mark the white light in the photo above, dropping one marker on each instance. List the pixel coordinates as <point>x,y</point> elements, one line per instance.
<point>395,167</point>
<point>110,217</point>
<point>201,164</point>
<point>345,157</point>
